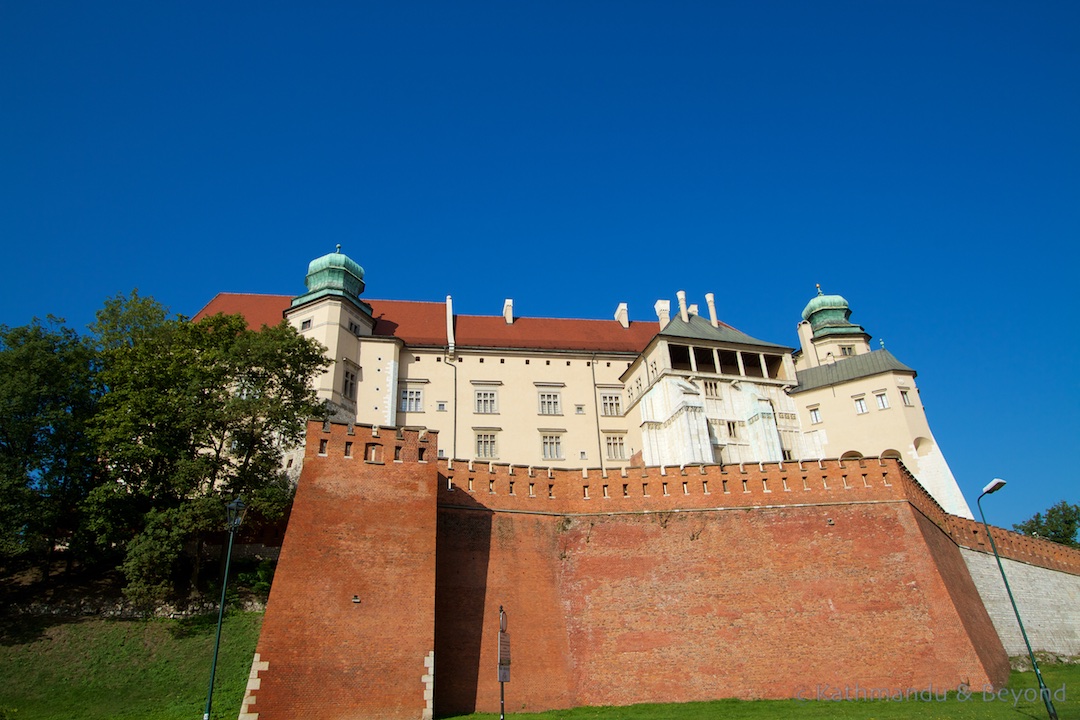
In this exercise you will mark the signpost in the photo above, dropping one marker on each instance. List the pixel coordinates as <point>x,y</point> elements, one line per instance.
<point>504,662</point>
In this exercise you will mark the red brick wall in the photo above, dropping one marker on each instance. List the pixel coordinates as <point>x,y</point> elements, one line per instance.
<point>364,529</point>
<point>687,584</point>
<point>839,580</point>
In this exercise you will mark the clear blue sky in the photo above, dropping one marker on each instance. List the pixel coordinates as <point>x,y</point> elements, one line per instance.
<point>920,158</point>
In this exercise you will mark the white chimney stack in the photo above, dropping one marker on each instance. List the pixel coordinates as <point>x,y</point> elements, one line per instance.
<point>682,306</point>
<point>622,314</point>
<point>711,302</point>
<point>508,311</point>
<point>663,312</point>
<point>450,325</point>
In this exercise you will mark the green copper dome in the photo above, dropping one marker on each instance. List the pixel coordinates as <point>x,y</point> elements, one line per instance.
<point>333,274</point>
<point>828,315</point>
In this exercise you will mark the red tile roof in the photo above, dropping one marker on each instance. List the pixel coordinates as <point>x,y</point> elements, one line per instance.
<point>424,323</point>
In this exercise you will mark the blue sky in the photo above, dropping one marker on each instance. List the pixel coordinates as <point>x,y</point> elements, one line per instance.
<point>920,158</point>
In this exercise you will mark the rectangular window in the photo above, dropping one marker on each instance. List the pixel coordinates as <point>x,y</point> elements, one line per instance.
<point>905,397</point>
<point>551,447</point>
<point>611,404</point>
<point>349,389</point>
<point>847,350</point>
<point>860,405</point>
<point>815,415</point>
<point>354,328</point>
<point>549,403</point>
<point>712,388</point>
<point>485,445</point>
<point>882,401</point>
<point>732,429</point>
<point>616,447</point>
<point>305,325</point>
<point>485,402</point>
<point>412,400</point>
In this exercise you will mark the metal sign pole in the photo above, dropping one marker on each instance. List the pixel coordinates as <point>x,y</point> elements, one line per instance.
<point>504,662</point>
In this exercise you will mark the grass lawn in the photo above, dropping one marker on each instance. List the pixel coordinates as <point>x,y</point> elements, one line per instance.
<point>76,669</point>
<point>64,669</point>
<point>1020,701</point>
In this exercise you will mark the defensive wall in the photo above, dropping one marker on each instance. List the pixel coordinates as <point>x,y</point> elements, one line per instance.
<point>647,585</point>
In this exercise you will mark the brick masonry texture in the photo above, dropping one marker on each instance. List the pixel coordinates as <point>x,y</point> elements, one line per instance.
<point>653,585</point>
<point>364,529</point>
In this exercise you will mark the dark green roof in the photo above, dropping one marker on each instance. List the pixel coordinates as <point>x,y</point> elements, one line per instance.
<point>849,368</point>
<point>701,329</point>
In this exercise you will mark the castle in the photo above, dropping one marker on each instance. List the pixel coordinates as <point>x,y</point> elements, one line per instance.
<point>667,511</point>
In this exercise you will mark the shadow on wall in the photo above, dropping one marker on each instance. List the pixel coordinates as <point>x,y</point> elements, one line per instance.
<point>463,546</point>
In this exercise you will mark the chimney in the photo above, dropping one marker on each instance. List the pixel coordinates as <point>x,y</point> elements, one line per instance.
<point>450,326</point>
<point>622,314</point>
<point>508,311</point>
<point>663,312</point>
<point>682,306</point>
<point>711,302</point>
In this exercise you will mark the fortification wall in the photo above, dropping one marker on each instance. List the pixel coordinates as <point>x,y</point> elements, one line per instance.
<point>703,582</point>
<point>364,529</point>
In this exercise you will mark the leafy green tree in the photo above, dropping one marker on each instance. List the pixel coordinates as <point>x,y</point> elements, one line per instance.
<point>1060,524</point>
<point>47,464</point>
<point>193,414</point>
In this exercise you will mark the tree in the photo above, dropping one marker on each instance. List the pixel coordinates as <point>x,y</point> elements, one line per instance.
<point>47,468</point>
<point>1060,524</point>
<point>192,415</point>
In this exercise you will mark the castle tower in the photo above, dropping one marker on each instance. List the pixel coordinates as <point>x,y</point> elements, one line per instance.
<point>332,312</point>
<point>862,402</point>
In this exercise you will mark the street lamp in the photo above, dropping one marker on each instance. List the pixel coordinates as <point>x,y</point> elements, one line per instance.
<point>995,485</point>
<point>235,511</point>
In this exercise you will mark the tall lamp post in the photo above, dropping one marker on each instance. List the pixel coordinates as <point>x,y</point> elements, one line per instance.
<point>235,511</point>
<point>995,485</point>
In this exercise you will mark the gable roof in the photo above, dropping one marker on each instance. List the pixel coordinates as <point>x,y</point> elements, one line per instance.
<point>850,368</point>
<point>424,324</point>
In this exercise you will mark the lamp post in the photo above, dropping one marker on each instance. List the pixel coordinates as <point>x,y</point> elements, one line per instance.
<point>995,485</point>
<point>235,511</point>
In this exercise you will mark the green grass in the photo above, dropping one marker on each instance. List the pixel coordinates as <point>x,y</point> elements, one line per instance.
<point>974,707</point>
<point>91,669</point>
<point>63,669</point>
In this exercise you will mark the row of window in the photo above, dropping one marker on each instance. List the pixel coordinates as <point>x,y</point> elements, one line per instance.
<point>861,407</point>
<point>486,402</point>
<point>550,446</point>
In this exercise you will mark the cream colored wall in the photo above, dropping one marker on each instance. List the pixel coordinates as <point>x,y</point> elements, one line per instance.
<point>518,378</point>
<point>902,428</point>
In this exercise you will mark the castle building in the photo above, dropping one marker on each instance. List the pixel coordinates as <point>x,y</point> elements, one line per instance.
<point>571,393</point>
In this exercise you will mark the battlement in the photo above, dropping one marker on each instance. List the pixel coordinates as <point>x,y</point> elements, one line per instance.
<point>561,491</point>
<point>371,444</point>
<point>1015,546</point>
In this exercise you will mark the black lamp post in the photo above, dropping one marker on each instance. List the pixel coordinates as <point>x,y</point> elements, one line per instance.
<point>235,511</point>
<point>995,485</point>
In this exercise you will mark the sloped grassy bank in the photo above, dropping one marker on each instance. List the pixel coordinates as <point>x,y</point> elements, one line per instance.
<point>92,668</point>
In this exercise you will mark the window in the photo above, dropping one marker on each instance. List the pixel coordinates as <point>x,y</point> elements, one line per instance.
<point>732,429</point>
<point>305,325</point>
<point>349,386</point>
<point>860,405</point>
<point>549,404</point>
<point>412,400</point>
<point>847,350</point>
<point>611,404</point>
<point>882,401</point>
<point>616,447</point>
<point>354,328</point>
<point>712,388</point>
<point>579,409</point>
<point>551,447</point>
<point>905,398</point>
<point>485,402</point>
<point>485,445</point>
<point>815,415</point>
<point>441,406</point>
